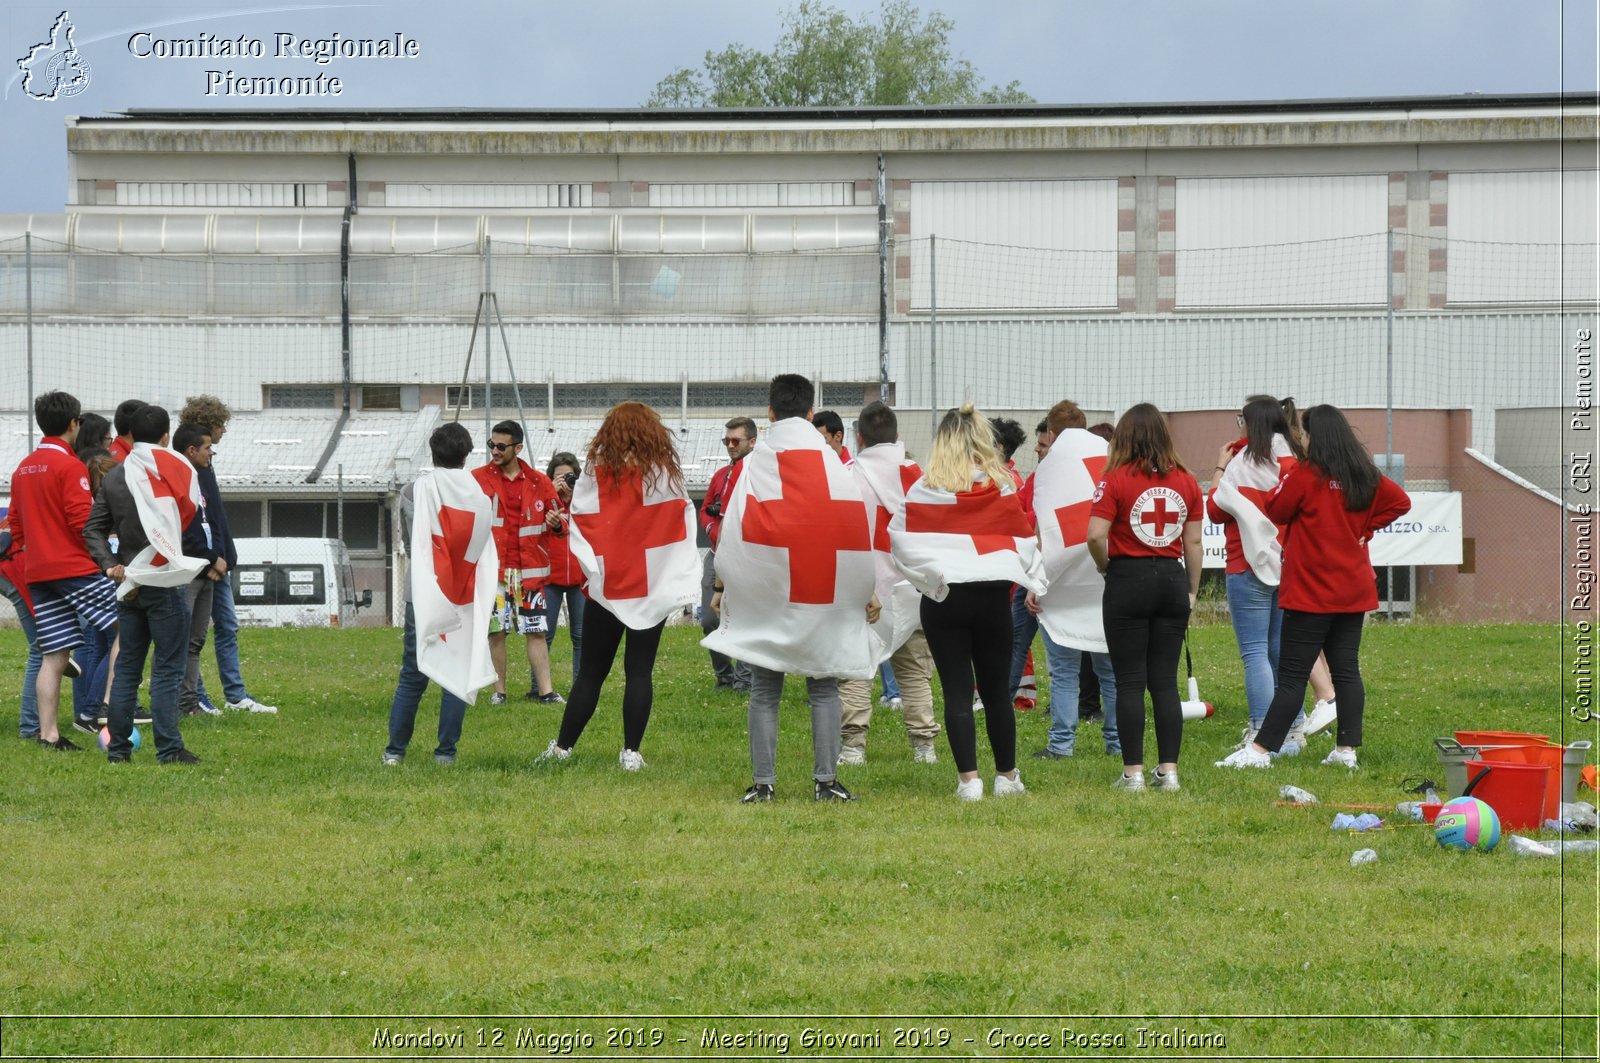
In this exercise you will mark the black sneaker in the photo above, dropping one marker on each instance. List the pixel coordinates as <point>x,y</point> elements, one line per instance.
<point>833,790</point>
<point>86,724</point>
<point>759,792</point>
<point>142,716</point>
<point>61,744</point>
<point>182,756</point>
<point>74,670</point>
<point>1050,754</point>
<point>551,698</point>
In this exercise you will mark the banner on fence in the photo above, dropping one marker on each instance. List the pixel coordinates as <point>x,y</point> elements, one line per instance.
<point>1429,535</point>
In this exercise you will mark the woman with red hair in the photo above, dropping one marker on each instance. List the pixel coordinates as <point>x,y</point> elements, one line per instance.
<point>632,532</point>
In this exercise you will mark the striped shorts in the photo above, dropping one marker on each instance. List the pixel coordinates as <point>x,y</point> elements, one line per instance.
<point>59,603</point>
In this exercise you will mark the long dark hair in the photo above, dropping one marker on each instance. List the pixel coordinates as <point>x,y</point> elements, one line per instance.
<point>1264,418</point>
<point>1142,439</point>
<point>1334,449</point>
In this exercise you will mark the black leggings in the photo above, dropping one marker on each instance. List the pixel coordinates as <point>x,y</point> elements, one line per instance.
<point>970,632</point>
<point>1304,636</point>
<point>1146,612</point>
<point>602,634</point>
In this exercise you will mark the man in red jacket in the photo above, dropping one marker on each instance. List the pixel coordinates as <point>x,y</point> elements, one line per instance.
<point>739,438</point>
<point>50,504</point>
<point>525,511</point>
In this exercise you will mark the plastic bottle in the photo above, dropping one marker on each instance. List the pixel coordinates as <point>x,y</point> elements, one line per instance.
<point>1528,847</point>
<point>1363,856</point>
<point>1297,795</point>
<point>1409,809</point>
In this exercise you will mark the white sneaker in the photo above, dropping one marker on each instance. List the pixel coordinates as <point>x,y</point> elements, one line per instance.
<point>1004,787</point>
<point>554,752</point>
<point>392,760</point>
<point>852,755</point>
<point>1248,757</point>
<point>896,704</point>
<point>250,704</point>
<point>1128,782</point>
<point>1246,738</point>
<point>629,759</point>
<point>977,704</point>
<point>1164,780</point>
<point>970,790</point>
<point>1294,743</point>
<point>1325,713</point>
<point>497,698</point>
<point>923,753</point>
<point>1344,758</point>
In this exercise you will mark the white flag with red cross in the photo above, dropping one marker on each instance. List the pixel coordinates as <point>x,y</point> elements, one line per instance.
<point>1063,493</point>
<point>1241,492</point>
<point>166,494</point>
<point>971,536</point>
<point>885,474</point>
<point>795,560</point>
<point>454,565</point>
<point>636,543</point>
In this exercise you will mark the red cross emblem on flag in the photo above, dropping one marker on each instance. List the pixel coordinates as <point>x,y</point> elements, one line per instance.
<point>173,480</point>
<point>809,523</point>
<point>1073,520</point>
<point>992,521</point>
<point>1154,523</point>
<point>455,575</point>
<point>624,527</point>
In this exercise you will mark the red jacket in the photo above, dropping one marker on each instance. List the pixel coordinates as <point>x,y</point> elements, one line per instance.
<point>564,568</point>
<point>720,490</point>
<point>520,506</point>
<point>1326,568</point>
<point>119,449</point>
<point>50,504</point>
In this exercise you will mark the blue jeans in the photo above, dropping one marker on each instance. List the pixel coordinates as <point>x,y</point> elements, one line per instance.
<point>1258,629</point>
<point>573,596</point>
<point>28,720</point>
<point>225,640</point>
<point>93,657</point>
<point>1064,664</point>
<point>891,686</point>
<point>408,695</point>
<point>157,619</point>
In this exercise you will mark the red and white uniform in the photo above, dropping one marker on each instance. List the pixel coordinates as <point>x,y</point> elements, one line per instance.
<point>720,490</point>
<point>1326,568</point>
<point>969,536</point>
<point>564,568</point>
<point>1147,512</point>
<point>1254,543</point>
<point>453,576</point>
<point>50,504</point>
<point>1063,490</point>
<point>635,541</point>
<point>119,449</point>
<point>520,508</point>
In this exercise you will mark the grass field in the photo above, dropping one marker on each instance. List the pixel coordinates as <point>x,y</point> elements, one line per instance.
<point>292,875</point>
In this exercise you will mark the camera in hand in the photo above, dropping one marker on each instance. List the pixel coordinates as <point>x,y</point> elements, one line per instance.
<point>569,478</point>
<point>712,509</point>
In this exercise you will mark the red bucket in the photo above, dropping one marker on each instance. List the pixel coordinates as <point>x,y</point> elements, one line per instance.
<point>1547,755</point>
<point>1515,791</point>
<point>1500,738</point>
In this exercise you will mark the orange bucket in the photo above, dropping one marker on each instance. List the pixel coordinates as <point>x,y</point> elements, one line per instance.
<point>1548,755</point>
<point>1515,791</point>
<point>1500,738</point>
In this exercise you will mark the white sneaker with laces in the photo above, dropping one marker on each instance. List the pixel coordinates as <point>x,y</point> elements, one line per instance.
<point>1164,780</point>
<point>392,760</point>
<point>1325,713</point>
<point>1128,782</point>
<point>852,755</point>
<point>250,704</point>
<point>896,704</point>
<point>970,790</point>
<point>1247,737</point>
<point>1248,757</point>
<point>554,752</point>
<point>629,759</point>
<point>923,753</point>
<point>1004,787</point>
<point>1344,758</point>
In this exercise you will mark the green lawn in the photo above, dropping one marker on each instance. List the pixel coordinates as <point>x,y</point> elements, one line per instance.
<point>292,875</point>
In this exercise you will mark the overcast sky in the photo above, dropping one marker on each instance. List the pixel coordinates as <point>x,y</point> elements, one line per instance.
<point>610,53</point>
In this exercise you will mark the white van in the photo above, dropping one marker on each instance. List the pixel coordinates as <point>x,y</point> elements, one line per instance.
<point>295,583</point>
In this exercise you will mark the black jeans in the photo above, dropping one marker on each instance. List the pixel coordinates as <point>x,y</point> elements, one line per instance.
<point>1146,612</point>
<point>1304,636</point>
<point>602,634</point>
<point>969,635</point>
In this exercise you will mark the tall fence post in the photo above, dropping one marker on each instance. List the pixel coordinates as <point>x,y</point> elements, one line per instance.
<point>883,283</point>
<point>27,270</point>
<point>933,335</point>
<point>488,346</point>
<point>1388,313</point>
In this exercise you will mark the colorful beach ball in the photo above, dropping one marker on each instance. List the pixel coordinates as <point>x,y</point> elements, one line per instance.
<point>1467,823</point>
<point>105,737</point>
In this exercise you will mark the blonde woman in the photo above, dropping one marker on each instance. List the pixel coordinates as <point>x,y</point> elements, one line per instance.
<point>963,540</point>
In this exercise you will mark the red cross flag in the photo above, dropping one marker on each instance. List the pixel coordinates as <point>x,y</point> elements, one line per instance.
<point>795,559</point>
<point>967,537</point>
<point>453,568</point>
<point>1241,492</point>
<point>166,494</point>
<point>636,544</point>
<point>1063,493</point>
<point>884,475</point>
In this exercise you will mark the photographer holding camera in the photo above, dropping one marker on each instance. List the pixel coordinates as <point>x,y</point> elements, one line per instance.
<point>739,438</point>
<point>566,577</point>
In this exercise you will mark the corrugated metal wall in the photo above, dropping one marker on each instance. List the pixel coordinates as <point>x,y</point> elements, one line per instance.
<point>1494,217</point>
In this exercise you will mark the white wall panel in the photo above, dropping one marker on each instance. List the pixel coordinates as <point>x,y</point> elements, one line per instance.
<point>1522,237</point>
<point>1282,241</point>
<point>459,194</point>
<point>754,194</point>
<point>1024,217</point>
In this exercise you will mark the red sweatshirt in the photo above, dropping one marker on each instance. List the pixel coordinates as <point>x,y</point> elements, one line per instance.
<point>520,506</point>
<point>50,504</point>
<point>719,490</point>
<point>1326,568</point>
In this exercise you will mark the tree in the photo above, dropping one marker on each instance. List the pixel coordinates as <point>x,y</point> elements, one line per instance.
<point>825,58</point>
